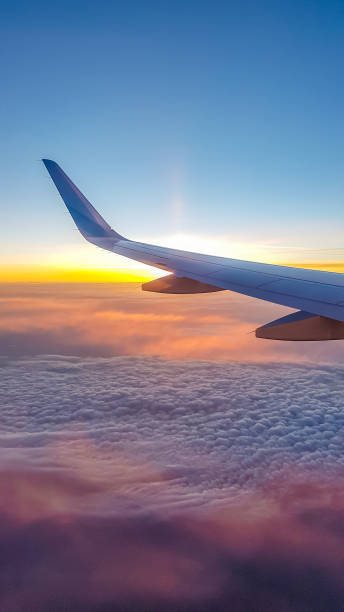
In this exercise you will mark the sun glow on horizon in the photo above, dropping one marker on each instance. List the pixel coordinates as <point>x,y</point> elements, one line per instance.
<point>50,274</point>
<point>82,263</point>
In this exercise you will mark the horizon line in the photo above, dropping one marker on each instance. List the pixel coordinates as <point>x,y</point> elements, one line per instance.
<point>34,273</point>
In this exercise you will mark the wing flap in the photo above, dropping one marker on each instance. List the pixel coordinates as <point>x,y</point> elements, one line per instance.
<point>314,291</point>
<point>248,278</point>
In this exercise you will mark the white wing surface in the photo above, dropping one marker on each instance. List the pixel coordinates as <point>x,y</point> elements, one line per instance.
<point>319,295</point>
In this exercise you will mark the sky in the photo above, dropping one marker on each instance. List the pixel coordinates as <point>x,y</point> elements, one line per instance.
<point>216,127</point>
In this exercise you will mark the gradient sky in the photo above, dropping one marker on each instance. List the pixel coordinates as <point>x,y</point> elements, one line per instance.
<point>216,126</point>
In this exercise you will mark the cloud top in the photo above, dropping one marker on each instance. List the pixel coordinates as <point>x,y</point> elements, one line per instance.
<point>137,483</point>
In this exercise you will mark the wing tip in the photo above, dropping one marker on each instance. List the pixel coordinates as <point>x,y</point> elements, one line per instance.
<point>49,163</point>
<point>87,219</point>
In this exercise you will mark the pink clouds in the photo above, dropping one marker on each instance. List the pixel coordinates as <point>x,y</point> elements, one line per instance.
<point>105,320</point>
<point>280,550</point>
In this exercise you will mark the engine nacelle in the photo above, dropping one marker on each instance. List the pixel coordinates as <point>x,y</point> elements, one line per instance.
<point>302,326</point>
<point>178,284</point>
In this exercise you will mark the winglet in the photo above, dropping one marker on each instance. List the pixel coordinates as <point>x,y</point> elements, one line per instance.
<point>87,219</point>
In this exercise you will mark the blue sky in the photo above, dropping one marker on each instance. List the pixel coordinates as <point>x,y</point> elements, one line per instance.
<point>219,120</point>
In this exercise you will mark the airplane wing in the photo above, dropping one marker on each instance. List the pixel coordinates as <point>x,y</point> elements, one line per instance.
<point>318,295</point>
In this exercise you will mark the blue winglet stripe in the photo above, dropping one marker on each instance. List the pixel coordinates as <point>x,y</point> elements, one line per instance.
<point>90,223</point>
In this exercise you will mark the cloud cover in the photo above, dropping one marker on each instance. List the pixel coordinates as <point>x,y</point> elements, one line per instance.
<point>147,484</point>
<point>132,482</point>
<point>246,418</point>
<point>270,552</point>
<point>105,320</point>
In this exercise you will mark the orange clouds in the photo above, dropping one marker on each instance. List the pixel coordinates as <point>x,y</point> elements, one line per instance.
<point>120,319</point>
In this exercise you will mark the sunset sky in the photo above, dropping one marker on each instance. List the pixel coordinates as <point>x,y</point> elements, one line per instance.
<point>214,128</point>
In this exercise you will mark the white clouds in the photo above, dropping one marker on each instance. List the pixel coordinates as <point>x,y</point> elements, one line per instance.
<point>142,484</point>
<point>239,424</point>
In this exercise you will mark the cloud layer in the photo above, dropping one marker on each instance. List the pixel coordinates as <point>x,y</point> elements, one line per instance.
<point>242,421</point>
<point>281,550</point>
<point>130,482</point>
<point>146,484</point>
<point>108,320</point>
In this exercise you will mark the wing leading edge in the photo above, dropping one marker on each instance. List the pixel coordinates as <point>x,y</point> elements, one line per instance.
<point>319,295</point>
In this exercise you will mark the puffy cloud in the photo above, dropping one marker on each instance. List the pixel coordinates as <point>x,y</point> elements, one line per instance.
<point>238,423</point>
